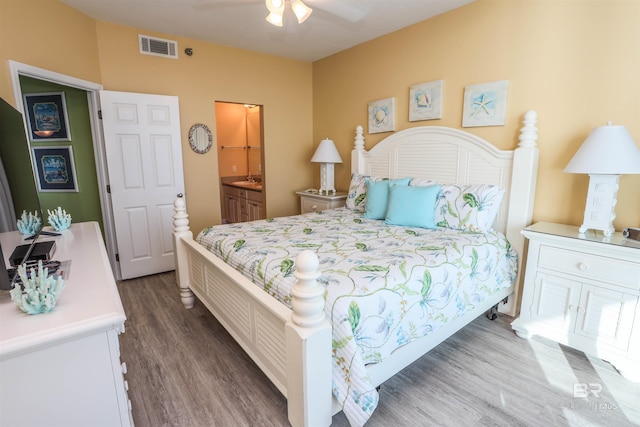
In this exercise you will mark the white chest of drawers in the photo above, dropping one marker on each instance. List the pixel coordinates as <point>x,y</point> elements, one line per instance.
<point>583,290</point>
<point>63,368</point>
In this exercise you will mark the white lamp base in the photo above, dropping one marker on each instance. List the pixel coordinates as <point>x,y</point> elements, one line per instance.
<point>326,179</point>
<point>599,212</point>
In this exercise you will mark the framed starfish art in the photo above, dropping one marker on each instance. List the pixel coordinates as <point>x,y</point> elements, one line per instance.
<point>485,104</point>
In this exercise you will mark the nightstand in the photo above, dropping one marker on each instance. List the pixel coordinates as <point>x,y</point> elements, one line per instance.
<point>313,202</point>
<point>582,290</point>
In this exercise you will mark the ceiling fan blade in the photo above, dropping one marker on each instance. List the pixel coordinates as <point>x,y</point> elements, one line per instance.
<point>341,8</point>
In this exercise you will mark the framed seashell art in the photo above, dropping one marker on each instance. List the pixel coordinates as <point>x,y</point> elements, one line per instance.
<point>382,115</point>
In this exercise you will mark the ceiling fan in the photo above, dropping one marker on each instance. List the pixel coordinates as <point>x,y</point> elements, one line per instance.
<point>344,9</point>
<point>276,11</point>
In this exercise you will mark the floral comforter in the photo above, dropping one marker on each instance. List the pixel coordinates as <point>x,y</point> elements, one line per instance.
<point>386,285</point>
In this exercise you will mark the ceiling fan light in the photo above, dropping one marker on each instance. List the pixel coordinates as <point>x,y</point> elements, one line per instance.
<point>276,6</point>
<point>301,10</point>
<point>275,19</point>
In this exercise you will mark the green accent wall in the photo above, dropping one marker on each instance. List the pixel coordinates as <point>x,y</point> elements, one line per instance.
<point>14,153</point>
<point>83,205</point>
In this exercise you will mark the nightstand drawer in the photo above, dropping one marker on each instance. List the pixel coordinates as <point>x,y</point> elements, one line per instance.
<point>590,266</point>
<point>314,202</point>
<point>314,205</point>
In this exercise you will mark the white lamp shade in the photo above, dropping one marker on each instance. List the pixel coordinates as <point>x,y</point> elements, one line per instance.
<point>326,153</point>
<point>607,150</point>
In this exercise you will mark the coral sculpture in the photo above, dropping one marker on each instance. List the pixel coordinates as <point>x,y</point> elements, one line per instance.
<point>59,219</point>
<point>40,292</point>
<point>29,224</point>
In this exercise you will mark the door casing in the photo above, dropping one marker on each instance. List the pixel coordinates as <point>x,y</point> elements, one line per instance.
<point>16,69</point>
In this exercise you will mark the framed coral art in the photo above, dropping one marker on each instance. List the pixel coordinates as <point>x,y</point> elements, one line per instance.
<point>485,104</point>
<point>425,101</point>
<point>382,115</point>
<point>54,169</point>
<point>47,116</point>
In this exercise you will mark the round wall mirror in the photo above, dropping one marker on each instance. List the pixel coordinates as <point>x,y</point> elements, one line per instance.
<point>200,138</point>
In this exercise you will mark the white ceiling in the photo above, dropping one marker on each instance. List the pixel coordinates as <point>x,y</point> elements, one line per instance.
<point>334,25</point>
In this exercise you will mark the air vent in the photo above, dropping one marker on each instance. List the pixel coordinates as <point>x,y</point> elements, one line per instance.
<point>158,47</point>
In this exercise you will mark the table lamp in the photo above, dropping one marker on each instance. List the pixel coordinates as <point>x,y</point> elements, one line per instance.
<point>326,154</point>
<point>608,152</point>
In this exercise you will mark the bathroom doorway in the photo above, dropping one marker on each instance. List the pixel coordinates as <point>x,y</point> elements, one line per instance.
<point>240,145</point>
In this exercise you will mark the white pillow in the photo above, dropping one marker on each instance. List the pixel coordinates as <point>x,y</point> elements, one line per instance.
<point>357,196</point>
<point>468,207</point>
<point>421,182</point>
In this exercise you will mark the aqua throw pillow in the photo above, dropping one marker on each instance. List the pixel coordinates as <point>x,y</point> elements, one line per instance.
<point>412,206</point>
<point>378,196</point>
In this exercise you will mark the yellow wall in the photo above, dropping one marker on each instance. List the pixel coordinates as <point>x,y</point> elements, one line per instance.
<point>577,63</point>
<point>46,34</point>
<point>63,40</point>
<point>218,73</point>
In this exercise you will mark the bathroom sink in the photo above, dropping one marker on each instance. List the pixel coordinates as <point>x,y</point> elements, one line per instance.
<point>252,185</point>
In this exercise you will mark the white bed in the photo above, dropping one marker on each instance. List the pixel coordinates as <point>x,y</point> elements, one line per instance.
<point>293,346</point>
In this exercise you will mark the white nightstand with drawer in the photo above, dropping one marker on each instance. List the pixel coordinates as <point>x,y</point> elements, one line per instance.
<point>313,202</point>
<point>583,290</point>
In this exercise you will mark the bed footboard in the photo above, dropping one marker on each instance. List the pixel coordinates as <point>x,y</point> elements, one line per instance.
<point>292,347</point>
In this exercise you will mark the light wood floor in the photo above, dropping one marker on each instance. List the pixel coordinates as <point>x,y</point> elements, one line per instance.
<point>185,370</point>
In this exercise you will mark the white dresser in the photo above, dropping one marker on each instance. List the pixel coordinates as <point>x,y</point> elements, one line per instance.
<point>63,368</point>
<point>582,290</point>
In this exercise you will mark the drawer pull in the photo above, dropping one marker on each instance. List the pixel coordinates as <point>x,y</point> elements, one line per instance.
<point>124,367</point>
<point>582,266</point>
<point>314,207</point>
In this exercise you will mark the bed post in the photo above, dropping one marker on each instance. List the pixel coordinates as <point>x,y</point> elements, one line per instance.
<point>357,164</point>
<point>181,229</point>
<point>308,336</point>
<point>523,189</point>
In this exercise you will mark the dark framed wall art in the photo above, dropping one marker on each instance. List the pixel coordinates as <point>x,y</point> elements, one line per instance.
<point>55,169</point>
<point>47,116</point>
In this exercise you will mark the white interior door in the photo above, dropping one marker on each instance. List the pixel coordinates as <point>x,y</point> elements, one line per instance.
<point>144,162</point>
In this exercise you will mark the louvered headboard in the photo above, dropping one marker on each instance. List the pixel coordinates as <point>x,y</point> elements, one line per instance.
<point>453,156</point>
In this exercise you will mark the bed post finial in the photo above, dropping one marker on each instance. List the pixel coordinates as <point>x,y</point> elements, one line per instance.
<point>307,295</point>
<point>358,143</point>
<point>522,194</point>
<point>357,163</point>
<point>529,132</point>
<point>180,217</point>
<point>308,336</point>
<point>181,229</point>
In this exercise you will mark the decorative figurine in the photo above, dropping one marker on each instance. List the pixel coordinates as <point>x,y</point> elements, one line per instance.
<point>59,219</point>
<point>40,292</point>
<point>29,224</point>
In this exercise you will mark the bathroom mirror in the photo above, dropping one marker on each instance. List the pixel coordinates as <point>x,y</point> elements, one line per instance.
<point>200,138</point>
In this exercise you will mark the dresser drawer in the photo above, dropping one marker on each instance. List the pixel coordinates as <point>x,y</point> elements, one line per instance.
<point>590,266</point>
<point>314,205</point>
